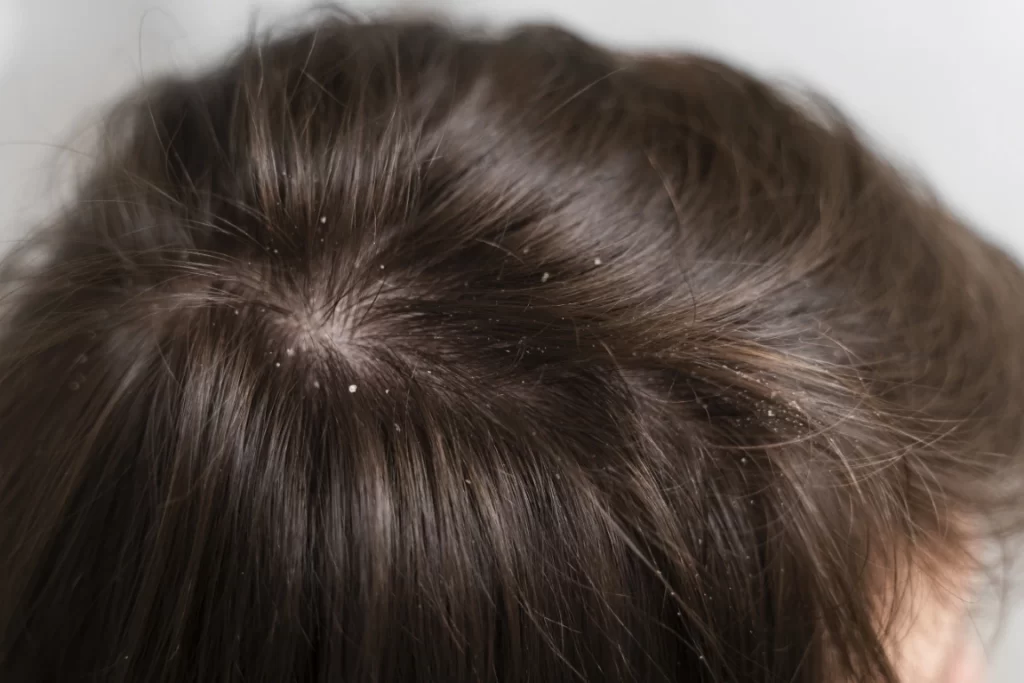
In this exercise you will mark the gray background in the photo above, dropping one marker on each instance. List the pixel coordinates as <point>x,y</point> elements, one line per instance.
<point>938,83</point>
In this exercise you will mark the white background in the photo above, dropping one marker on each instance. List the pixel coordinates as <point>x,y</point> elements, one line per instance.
<point>938,83</point>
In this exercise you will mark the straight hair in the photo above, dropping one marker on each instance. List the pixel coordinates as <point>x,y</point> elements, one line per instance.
<point>391,351</point>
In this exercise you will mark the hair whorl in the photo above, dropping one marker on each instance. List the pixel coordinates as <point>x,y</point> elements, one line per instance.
<point>388,353</point>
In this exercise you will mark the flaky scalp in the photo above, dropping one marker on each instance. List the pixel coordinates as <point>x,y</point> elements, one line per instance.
<point>385,352</point>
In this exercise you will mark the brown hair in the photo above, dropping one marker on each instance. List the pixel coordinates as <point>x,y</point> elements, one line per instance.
<point>385,352</point>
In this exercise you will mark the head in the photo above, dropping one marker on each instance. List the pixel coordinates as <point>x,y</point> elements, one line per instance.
<point>385,352</point>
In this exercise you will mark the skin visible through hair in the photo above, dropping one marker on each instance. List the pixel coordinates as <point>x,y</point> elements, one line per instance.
<point>388,352</point>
